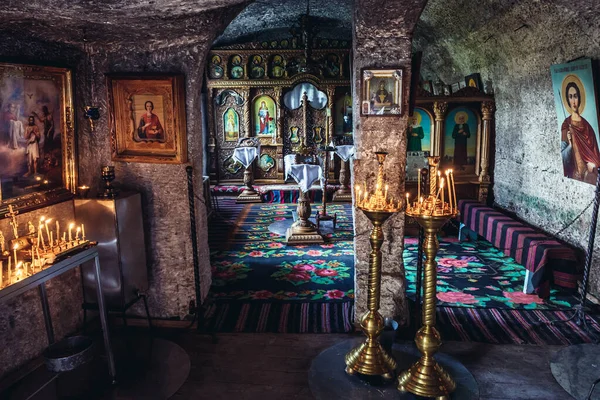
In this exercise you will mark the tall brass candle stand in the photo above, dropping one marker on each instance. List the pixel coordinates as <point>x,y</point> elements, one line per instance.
<point>322,215</point>
<point>426,377</point>
<point>369,358</point>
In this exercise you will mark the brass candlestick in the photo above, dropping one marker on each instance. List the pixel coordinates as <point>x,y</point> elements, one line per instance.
<point>369,358</point>
<point>426,377</point>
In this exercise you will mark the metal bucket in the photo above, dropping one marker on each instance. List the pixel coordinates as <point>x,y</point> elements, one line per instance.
<point>69,353</point>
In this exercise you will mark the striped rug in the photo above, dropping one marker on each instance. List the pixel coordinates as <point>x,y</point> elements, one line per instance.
<point>498,326</point>
<point>282,317</point>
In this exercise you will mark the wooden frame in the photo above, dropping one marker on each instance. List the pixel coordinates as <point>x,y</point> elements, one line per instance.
<point>37,139</point>
<point>377,99</point>
<point>147,118</point>
<point>475,179</point>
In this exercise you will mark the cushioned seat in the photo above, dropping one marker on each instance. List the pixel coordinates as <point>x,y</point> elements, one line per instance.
<point>546,259</point>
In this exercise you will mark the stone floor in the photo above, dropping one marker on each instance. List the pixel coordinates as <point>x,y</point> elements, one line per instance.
<point>274,366</point>
<point>266,366</point>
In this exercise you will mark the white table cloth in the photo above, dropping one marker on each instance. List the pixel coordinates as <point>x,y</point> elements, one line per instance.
<point>305,175</point>
<point>245,155</point>
<point>345,151</point>
<point>289,160</point>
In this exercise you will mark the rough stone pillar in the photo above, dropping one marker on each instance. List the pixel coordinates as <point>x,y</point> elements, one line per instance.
<point>382,37</point>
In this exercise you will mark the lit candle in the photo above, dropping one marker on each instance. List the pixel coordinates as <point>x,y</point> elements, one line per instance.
<point>449,184</point>
<point>19,271</point>
<point>64,238</point>
<point>442,189</point>
<point>71,225</point>
<point>77,233</point>
<point>386,191</point>
<point>48,231</point>
<point>51,239</point>
<point>418,182</point>
<point>82,232</point>
<point>57,230</point>
<point>439,178</point>
<point>453,189</point>
<point>15,247</point>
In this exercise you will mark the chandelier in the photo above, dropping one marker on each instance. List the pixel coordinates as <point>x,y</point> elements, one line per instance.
<point>304,35</point>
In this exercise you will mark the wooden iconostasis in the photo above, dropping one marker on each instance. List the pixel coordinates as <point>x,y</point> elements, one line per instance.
<point>256,90</point>
<point>458,128</point>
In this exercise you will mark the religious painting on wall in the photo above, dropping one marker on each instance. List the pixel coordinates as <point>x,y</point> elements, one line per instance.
<point>382,92</point>
<point>37,144</point>
<point>236,71</point>
<point>460,141</point>
<point>474,80</point>
<point>257,70</point>
<point>277,67</point>
<point>148,118</point>
<point>215,70</point>
<point>231,125</point>
<point>343,115</point>
<point>419,131</point>
<point>264,116</point>
<point>577,115</point>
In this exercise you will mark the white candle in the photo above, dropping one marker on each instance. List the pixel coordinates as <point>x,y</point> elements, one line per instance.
<point>77,233</point>
<point>51,239</point>
<point>57,230</point>
<point>449,185</point>
<point>48,231</point>
<point>386,191</point>
<point>82,232</point>
<point>442,189</point>
<point>64,238</point>
<point>71,225</point>
<point>453,189</point>
<point>15,247</point>
<point>418,182</point>
<point>37,250</point>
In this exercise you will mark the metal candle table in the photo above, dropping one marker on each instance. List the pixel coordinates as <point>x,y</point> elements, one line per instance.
<point>38,280</point>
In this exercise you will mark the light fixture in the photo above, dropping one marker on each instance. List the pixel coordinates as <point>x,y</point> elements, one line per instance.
<point>304,35</point>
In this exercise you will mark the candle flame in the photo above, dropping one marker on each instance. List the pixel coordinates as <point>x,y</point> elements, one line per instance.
<point>42,218</point>
<point>16,246</point>
<point>48,220</point>
<point>71,225</point>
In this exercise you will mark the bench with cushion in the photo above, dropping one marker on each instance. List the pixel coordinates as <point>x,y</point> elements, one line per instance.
<point>546,259</point>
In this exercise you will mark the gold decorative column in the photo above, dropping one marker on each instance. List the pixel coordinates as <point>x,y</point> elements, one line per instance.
<point>439,109</point>
<point>369,358</point>
<point>426,377</point>
<point>488,108</point>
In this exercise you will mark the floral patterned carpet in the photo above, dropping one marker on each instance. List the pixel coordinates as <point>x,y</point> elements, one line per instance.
<point>476,274</point>
<point>254,264</point>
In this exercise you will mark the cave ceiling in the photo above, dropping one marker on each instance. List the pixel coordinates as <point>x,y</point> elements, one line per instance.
<point>443,24</point>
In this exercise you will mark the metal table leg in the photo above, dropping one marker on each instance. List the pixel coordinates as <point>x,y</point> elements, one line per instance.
<point>46,311</point>
<point>104,322</point>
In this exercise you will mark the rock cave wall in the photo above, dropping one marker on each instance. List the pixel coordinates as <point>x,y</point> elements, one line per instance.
<point>513,44</point>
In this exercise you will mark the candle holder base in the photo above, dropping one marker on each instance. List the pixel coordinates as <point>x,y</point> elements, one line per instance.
<point>325,217</point>
<point>342,196</point>
<point>426,377</point>
<point>300,233</point>
<point>249,196</point>
<point>369,358</point>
